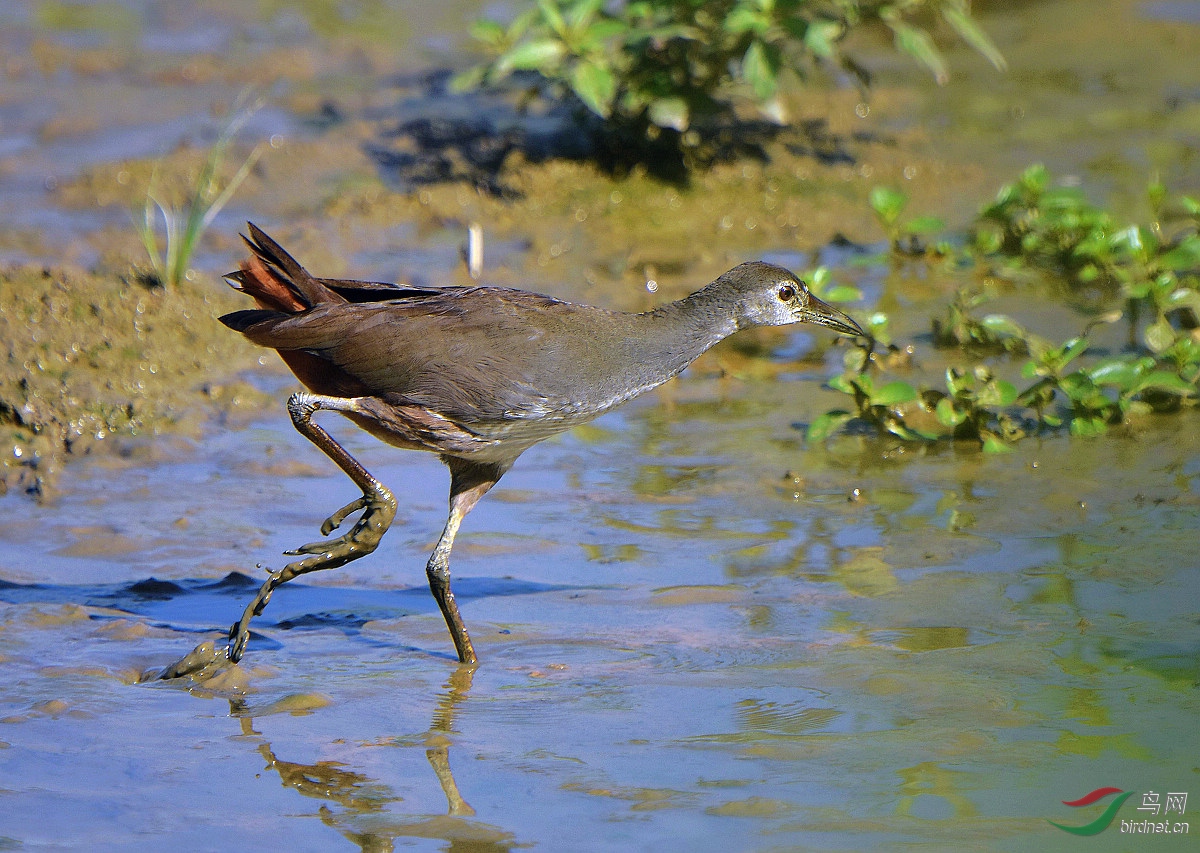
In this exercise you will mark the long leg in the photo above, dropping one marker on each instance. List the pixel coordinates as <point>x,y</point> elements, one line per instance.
<point>377,502</point>
<point>469,481</point>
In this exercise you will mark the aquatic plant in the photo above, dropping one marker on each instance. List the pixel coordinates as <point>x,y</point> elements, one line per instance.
<point>661,72</point>
<point>184,225</point>
<point>905,236</point>
<point>1151,271</point>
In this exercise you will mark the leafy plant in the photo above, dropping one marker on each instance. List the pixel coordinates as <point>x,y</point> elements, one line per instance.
<point>974,405</point>
<point>660,69</point>
<point>821,285</point>
<point>905,237</point>
<point>1155,266</point>
<point>881,406</point>
<point>1153,270</point>
<point>961,328</point>
<point>184,225</point>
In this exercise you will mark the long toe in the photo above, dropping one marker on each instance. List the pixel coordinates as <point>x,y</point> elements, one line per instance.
<point>335,521</point>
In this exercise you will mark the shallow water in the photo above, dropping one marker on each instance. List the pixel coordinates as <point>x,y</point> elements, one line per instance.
<point>696,631</point>
<point>681,647</point>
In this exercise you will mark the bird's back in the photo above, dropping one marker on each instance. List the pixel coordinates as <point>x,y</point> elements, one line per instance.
<point>475,355</point>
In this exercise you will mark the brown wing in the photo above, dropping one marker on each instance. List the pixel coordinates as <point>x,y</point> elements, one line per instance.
<point>476,355</point>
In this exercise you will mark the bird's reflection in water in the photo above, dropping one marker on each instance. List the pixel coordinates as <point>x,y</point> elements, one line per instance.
<point>364,817</point>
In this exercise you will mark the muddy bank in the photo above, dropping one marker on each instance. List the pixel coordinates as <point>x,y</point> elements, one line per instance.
<point>96,361</point>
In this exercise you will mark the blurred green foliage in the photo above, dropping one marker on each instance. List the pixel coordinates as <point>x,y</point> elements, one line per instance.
<point>662,71</point>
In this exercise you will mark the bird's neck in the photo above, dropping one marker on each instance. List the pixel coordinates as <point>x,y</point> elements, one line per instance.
<point>672,336</point>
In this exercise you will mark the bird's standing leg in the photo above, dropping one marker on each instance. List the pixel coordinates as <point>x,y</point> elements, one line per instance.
<point>469,481</point>
<point>377,502</point>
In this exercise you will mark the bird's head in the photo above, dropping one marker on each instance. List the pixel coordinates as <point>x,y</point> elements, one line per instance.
<point>769,295</point>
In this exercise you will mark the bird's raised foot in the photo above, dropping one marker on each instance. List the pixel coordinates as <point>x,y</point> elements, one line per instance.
<point>379,508</point>
<point>363,538</point>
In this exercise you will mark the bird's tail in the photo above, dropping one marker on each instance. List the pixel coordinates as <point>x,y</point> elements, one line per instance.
<point>276,280</point>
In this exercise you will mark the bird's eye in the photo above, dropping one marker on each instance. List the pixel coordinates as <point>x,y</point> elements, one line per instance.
<point>787,292</point>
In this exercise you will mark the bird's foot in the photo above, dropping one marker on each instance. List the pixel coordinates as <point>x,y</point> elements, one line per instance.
<point>379,509</point>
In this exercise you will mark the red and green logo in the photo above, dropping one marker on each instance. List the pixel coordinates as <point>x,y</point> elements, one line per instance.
<point>1101,823</point>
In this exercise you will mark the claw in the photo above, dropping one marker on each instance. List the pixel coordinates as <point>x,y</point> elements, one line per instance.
<point>362,538</point>
<point>313,547</point>
<point>334,521</point>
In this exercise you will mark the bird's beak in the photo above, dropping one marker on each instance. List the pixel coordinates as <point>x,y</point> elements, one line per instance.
<point>822,314</point>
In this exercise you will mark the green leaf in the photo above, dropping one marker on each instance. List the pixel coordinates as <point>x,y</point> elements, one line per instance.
<point>1088,427</point>
<point>1077,386</point>
<point>744,19</point>
<point>466,81</point>
<point>595,86</point>
<point>947,414</point>
<point>1006,392</point>
<point>970,32</point>
<point>553,16</point>
<point>1184,257</point>
<point>855,359</point>
<point>887,203</point>
<point>1171,383</point>
<point>994,444</point>
<point>1117,372</point>
<point>1002,325</point>
<point>601,31</point>
<point>541,55</point>
<point>581,12</point>
<point>917,44</point>
<point>821,37</point>
<point>841,383</point>
<point>488,32</point>
<point>760,66</point>
<point>842,293</point>
<point>893,394</point>
<point>1035,179</point>
<point>1071,350</point>
<point>827,424</point>
<point>924,225</point>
